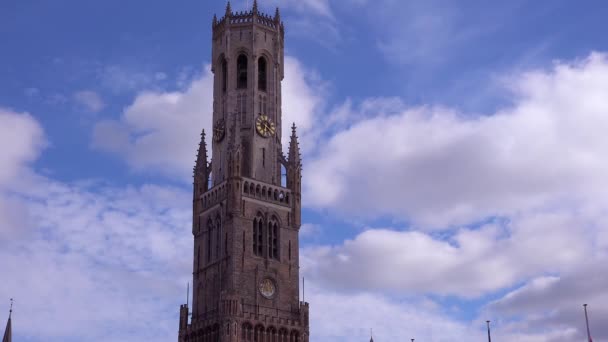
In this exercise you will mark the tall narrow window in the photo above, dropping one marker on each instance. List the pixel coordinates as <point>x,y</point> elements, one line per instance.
<point>258,233</point>
<point>224,74</point>
<point>262,73</point>
<point>289,249</point>
<point>255,236</point>
<point>260,237</point>
<point>241,71</point>
<point>273,239</point>
<point>270,238</point>
<point>263,157</point>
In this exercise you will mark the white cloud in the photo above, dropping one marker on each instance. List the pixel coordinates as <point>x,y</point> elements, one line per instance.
<point>90,100</point>
<point>160,131</point>
<point>340,317</point>
<point>438,167</point>
<point>106,261</point>
<point>309,230</point>
<point>345,316</point>
<point>302,104</point>
<point>553,303</point>
<point>21,138</point>
<point>471,263</point>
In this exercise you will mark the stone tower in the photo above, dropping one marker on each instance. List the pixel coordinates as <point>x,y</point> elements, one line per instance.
<point>246,205</point>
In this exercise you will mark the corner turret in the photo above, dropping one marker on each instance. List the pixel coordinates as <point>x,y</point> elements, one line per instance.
<point>294,176</point>
<point>201,168</point>
<point>228,9</point>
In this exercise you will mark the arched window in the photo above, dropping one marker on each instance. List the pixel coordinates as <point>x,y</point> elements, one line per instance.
<point>247,332</point>
<point>295,336</point>
<point>262,73</point>
<point>215,333</point>
<point>258,232</point>
<point>283,335</point>
<point>271,334</point>
<point>241,72</point>
<point>258,333</point>
<point>224,74</point>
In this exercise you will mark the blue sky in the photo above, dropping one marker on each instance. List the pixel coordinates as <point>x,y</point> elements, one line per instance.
<point>454,165</point>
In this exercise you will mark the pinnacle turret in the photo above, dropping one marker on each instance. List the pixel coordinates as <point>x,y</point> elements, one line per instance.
<point>201,168</point>
<point>294,158</point>
<point>277,15</point>
<point>255,6</point>
<point>228,9</point>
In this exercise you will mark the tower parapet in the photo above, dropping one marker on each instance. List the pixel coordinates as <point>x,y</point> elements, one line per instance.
<point>236,19</point>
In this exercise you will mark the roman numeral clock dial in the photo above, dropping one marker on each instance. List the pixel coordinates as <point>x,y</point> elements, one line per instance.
<point>264,126</point>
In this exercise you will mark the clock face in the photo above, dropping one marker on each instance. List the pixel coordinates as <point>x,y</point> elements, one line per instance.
<point>264,126</point>
<point>219,130</point>
<point>267,288</point>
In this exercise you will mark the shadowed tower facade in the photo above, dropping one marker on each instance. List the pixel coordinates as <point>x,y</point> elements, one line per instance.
<point>247,200</point>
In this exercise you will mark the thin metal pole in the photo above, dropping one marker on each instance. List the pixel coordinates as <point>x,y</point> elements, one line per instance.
<point>303,288</point>
<point>489,337</point>
<point>587,321</point>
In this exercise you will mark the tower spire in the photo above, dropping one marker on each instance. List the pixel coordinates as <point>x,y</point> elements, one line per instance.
<point>293,156</point>
<point>587,322</point>
<point>201,168</point>
<point>255,6</point>
<point>8,331</point>
<point>228,9</point>
<point>277,15</point>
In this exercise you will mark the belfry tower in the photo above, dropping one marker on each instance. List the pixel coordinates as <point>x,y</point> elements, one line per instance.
<point>247,200</point>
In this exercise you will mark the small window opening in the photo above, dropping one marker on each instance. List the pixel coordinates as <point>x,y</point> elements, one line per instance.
<point>241,67</point>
